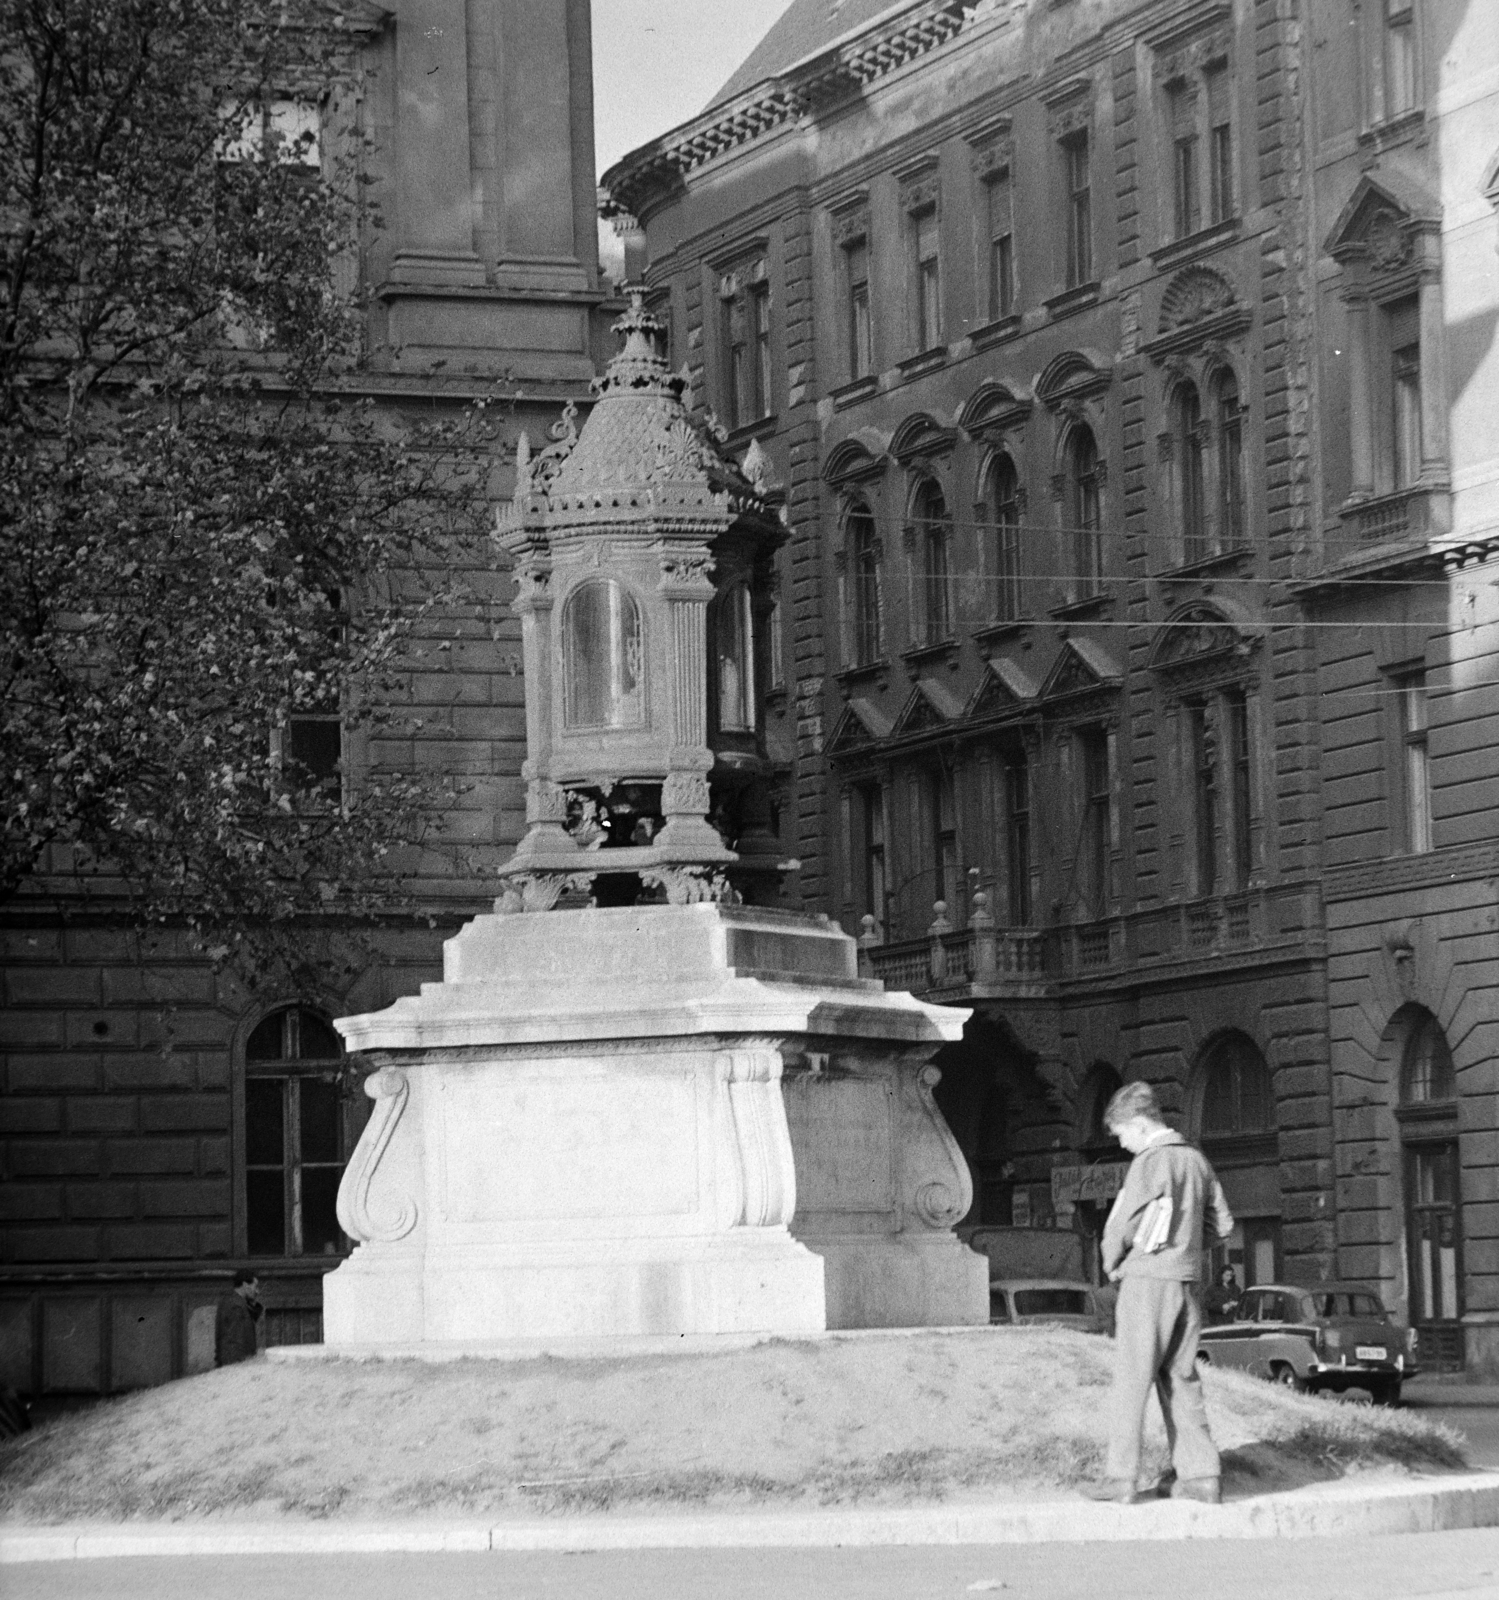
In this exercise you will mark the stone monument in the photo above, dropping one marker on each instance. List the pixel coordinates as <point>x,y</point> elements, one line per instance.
<point>645,1100</point>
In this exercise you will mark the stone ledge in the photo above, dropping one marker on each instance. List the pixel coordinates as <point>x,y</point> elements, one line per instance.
<point>1351,1508</point>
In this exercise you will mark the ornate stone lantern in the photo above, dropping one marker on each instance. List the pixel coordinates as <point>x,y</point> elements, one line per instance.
<point>643,564</point>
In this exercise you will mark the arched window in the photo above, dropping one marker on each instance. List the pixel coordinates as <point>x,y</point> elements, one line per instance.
<point>296,1138</point>
<point>1187,425</point>
<point>1083,511</point>
<point>1426,1072</point>
<point>1099,1087</point>
<point>1004,492</point>
<point>933,540</point>
<point>864,579</point>
<point>1230,461</point>
<point>602,657</point>
<point>734,655</point>
<point>1238,1098</point>
<point>1433,1188</point>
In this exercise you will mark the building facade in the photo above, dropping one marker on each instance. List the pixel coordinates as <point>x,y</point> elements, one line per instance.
<point>163,1123</point>
<point>1034,308</point>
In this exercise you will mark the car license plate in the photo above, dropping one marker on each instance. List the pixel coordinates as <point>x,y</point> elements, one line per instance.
<point>1371,1352</point>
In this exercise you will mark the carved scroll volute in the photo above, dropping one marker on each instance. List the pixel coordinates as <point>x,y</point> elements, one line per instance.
<point>389,1090</point>
<point>944,1197</point>
<point>762,1139</point>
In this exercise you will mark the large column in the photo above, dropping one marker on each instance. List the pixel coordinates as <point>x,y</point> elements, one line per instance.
<point>1434,398</point>
<point>434,197</point>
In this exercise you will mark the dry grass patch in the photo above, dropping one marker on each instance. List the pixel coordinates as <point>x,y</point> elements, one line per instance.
<point>894,1419</point>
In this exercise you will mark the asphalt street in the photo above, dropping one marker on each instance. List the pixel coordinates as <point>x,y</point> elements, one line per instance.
<point>1437,1566</point>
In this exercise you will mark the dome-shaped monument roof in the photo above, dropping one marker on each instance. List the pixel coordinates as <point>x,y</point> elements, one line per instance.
<point>638,452</point>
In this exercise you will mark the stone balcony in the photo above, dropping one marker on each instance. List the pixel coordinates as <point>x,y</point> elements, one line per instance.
<point>985,961</point>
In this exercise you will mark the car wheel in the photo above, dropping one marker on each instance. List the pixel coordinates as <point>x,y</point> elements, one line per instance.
<point>1284,1374</point>
<point>1385,1394</point>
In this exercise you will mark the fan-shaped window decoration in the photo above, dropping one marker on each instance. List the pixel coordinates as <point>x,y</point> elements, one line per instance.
<point>734,651</point>
<point>1083,510</point>
<point>1427,1076</point>
<point>1004,488</point>
<point>295,1139</point>
<point>1238,1097</point>
<point>864,574</point>
<point>1187,416</point>
<point>933,540</point>
<point>602,657</point>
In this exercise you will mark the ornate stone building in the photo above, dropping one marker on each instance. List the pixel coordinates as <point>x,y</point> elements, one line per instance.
<point>1034,308</point>
<point>161,1124</point>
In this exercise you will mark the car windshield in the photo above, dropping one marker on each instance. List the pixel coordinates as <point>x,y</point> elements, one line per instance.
<point>1051,1303</point>
<point>1347,1303</point>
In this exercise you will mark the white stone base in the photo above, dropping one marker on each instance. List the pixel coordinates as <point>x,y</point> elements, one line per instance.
<point>582,1133</point>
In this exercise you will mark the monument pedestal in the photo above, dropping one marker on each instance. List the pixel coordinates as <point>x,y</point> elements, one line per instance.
<point>655,1120</point>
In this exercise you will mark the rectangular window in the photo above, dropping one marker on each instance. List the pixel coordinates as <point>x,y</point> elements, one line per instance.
<point>1434,1203</point>
<point>1230,465</point>
<point>1402,323</point>
<point>860,340</point>
<point>1001,239</point>
<point>745,300</point>
<point>944,842</point>
<point>1204,797</point>
<point>761,373</point>
<point>1399,56</point>
<point>1236,748</point>
<point>1079,210</point>
<point>1186,206</point>
<point>294,1138</point>
<point>1018,838</point>
<point>1414,724</point>
<point>928,278</point>
<point>1097,798</point>
<point>874,854</point>
<point>1220,146</point>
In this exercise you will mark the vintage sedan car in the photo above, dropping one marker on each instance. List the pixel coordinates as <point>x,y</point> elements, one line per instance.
<point>1031,1300</point>
<point>1332,1336</point>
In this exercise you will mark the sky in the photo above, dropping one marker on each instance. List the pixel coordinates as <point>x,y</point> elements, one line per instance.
<point>658,62</point>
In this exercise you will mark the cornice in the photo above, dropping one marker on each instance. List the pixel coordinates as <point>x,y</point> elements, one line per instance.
<point>807,88</point>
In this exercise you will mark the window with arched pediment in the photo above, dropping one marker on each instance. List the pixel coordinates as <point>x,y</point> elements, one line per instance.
<point>1004,509</point>
<point>862,564</point>
<point>931,529</point>
<point>603,667</point>
<point>1082,506</point>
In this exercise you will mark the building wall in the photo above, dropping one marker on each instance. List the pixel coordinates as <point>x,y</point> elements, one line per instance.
<point>1145,973</point>
<point>124,1114</point>
<point>1404,208</point>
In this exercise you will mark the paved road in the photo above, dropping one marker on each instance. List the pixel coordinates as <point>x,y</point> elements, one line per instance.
<point>1437,1566</point>
<point>1473,1409</point>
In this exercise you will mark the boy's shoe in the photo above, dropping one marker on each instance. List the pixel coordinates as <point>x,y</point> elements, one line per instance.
<point>1162,1487</point>
<point>1120,1490</point>
<point>1207,1490</point>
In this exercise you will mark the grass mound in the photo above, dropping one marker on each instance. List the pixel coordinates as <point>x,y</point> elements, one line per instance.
<point>893,1419</point>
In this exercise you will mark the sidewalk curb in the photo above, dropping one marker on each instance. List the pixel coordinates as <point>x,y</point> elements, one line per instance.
<point>1347,1509</point>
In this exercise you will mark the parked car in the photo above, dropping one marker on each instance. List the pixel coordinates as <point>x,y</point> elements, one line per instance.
<point>1031,1300</point>
<point>1333,1336</point>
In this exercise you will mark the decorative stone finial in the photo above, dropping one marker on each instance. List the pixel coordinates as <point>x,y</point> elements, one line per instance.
<point>639,365</point>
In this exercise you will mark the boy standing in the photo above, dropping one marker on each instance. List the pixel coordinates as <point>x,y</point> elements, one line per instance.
<point>1152,1247</point>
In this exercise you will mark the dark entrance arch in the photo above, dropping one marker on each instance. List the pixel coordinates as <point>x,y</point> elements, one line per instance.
<point>1232,1116</point>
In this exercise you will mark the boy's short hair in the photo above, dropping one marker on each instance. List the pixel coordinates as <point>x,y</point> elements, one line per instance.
<point>1133,1100</point>
<point>244,1275</point>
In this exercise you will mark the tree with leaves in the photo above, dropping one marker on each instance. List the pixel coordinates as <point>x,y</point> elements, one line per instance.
<point>208,541</point>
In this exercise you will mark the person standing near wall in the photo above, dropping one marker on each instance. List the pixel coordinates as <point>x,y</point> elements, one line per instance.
<point>235,1320</point>
<point>1152,1247</point>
